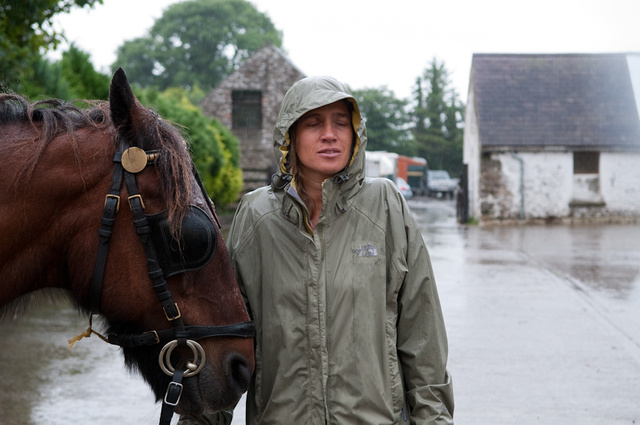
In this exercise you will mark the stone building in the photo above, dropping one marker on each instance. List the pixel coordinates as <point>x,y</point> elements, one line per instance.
<point>248,102</point>
<point>553,137</point>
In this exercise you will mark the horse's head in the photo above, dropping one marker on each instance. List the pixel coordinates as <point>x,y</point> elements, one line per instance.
<point>164,282</point>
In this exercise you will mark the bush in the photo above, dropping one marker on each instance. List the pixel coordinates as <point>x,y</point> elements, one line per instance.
<point>214,149</point>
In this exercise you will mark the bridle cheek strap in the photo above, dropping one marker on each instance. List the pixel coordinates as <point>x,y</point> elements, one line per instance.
<point>143,230</point>
<point>111,207</point>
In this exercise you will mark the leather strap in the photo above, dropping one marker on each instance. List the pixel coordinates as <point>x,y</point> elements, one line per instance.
<point>171,398</point>
<point>111,206</point>
<point>143,230</point>
<point>239,330</point>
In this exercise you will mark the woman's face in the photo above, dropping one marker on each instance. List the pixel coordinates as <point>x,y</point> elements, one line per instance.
<point>323,140</point>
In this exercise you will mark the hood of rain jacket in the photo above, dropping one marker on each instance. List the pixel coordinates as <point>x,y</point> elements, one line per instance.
<point>349,324</point>
<point>305,95</point>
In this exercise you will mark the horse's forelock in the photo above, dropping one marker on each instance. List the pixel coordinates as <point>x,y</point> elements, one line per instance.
<point>174,166</point>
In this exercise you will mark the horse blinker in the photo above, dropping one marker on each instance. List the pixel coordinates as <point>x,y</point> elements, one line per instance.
<point>196,244</point>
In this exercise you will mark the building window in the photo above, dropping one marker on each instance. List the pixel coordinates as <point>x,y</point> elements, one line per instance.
<point>247,109</point>
<point>586,162</point>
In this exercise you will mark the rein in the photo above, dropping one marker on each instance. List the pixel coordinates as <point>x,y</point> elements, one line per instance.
<point>128,162</point>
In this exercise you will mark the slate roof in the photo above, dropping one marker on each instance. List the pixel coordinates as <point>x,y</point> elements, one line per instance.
<point>565,101</point>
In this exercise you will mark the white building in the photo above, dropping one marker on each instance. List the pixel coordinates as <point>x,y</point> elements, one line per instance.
<point>553,137</point>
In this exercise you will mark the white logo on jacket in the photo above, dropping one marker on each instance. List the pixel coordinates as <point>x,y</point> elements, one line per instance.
<point>365,251</point>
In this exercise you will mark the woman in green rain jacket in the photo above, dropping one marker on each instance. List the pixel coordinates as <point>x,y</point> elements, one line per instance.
<point>349,324</point>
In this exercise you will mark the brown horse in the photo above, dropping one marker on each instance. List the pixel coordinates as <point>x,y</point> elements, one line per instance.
<point>104,204</point>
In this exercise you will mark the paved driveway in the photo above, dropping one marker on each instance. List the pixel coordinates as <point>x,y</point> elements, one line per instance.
<point>543,321</point>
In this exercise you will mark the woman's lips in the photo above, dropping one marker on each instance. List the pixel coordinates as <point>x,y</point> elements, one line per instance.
<point>329,153</point>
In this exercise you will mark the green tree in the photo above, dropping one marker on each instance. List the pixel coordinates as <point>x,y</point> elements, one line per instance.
<point>46,81</point>
<point>454,122</point>
<point>83,80</point>
<point>72,77</point>
<point>386,118</point>
<point>26,32</point>
<point>438,117</point>
<point>197,42</point>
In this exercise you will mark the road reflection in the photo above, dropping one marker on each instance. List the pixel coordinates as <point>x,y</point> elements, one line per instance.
<point>605,258</point>
<point>46,383</point>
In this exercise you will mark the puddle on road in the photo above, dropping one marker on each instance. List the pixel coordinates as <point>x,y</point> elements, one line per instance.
<point>602,261</point>
<point>603,258</point>
<point>46,383</point>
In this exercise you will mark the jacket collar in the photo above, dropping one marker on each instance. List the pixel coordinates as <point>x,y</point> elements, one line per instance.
<point>335,200</point>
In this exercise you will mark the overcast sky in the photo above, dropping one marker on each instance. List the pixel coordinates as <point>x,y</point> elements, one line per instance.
<point>371,43</point>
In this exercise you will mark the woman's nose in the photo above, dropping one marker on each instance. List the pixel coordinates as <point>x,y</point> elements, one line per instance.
<point>328,132</point>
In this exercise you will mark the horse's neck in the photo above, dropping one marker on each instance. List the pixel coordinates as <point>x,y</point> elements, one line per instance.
<point>47,212</point>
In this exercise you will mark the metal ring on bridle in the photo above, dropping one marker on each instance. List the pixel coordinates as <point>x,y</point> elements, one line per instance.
<point>193,367</point>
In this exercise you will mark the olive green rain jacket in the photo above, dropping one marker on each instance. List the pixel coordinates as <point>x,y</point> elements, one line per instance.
<point>349,325</point>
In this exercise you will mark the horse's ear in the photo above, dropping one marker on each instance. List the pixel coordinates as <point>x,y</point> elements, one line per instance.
<point>121,100</point>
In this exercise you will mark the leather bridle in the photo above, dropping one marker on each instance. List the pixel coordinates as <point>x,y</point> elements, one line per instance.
<point>128,162</point>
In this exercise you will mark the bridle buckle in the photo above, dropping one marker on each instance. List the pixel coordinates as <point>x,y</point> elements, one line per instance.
<point>116,197</point>
<point>136,196</point>
<point>155,334</point>
<point>176,317</point>
<point>173,394</point>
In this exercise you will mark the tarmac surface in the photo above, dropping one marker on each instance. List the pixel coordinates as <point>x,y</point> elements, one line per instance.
<point>543,321</point>
<point>543,325</point>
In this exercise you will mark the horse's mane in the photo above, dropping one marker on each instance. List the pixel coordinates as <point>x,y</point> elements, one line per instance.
<point>53,117</point>
<point>52,113</point>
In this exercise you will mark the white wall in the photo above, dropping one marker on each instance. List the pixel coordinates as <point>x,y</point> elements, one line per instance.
<point>471,155</point>
<point>620,182</point>
<point>549,184</point>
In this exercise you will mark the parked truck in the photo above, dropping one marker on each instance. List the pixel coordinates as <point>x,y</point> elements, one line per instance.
<point>412,170</point>
<point>381,164</point>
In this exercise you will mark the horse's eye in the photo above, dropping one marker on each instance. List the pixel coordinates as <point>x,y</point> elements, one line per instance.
<point>195,248</point>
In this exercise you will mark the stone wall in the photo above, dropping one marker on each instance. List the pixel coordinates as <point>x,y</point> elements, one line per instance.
<point>270,72</point>
<point>495,198</point>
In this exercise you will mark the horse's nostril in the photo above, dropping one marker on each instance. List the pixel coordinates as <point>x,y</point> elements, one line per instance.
<point>239,374</point>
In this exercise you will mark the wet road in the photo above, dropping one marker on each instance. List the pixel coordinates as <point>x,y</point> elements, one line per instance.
<point>543,321</point>
<point>46,383</point>
<point>543,324</point>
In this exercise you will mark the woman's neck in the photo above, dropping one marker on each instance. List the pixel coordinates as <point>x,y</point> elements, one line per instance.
<point>313,187</point>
